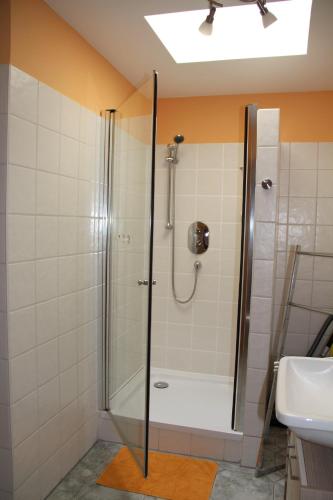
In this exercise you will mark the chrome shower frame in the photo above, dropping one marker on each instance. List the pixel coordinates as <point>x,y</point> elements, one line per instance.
<point>245,281</point>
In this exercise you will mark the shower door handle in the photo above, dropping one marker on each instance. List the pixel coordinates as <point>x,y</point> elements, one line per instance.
<point>145,282</point>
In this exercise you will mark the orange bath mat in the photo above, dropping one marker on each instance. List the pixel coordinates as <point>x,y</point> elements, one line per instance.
<point>172,477</point>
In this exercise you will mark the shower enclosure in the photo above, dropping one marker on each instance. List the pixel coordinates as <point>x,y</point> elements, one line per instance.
<point>159,334</point>
<point>128,204</point>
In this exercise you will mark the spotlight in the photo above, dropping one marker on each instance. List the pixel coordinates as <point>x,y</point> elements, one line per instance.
<point>206,28</point>
<point>267,17</point>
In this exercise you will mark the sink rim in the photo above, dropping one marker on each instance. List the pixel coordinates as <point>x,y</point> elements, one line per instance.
<point>297,419</point>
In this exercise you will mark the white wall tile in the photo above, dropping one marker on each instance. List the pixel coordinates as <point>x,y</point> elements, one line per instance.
<point>324,239</point>
<point>209,182</point>
<point>68,313</point>
<point>24,418</point>
<point>21,190</point>
<point>23,95</point>
<point>26,459</point>
<point>262,284</point>
<point>47,189</point>
<point>20,238</point>
<point>70,118</point>
<point>48,400</point>
<point>210,156</point>
<point>233,156</point>
<point>69,454</point>
<point>67,235</point>
<point>6,472</point>
<point>303,183</point>
<point>46,279</point>
<point>85,202</point>
<point>202,446</point>
<point>174,441</point>
<point>68,386</point>
<point>47,327</point>
<point>303,155</point>
<point>68,421</point>
<point>268,127</point>
<point>3,138</point>
<point>260,311</point>
<point>325,155</point>
<point>4,386</point>
<point>325,180</point>
<point>265,204</point>
<point>67,274</point>
<point>29,489</point>
<point>21,142</point>
<point>325,211</point>
<point>302,210</point>
<point>48,150</point>
<point>5,427</point>
<point>23,375</point>
<point>264,240</point>
<point>67,350</point>
<point>49,107</point>
<point>69,158</point>
<point>21,330</point>
<point>46,236</point>
<point>50,474</point>
<point>21,285</point>
<point>68,190</point>
<point>267,164</point>
<point>49,438</point>
<point>47,361</point>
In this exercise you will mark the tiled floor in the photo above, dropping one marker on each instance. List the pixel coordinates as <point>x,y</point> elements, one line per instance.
<point>232,481</point>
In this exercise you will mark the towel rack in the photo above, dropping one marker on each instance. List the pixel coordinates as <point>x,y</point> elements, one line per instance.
<point>283,336</point>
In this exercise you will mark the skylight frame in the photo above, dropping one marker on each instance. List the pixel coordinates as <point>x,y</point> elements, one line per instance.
<point>238,32</point>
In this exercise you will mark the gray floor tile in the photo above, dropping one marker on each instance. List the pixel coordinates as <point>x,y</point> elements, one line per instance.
<point>233,482</point>
<point>241,485</point>
<point>97,492</point>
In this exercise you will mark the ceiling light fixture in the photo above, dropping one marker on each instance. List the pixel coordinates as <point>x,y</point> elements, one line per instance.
<point>238,32</point>
<point>206,28</point>
<point>267,17</point>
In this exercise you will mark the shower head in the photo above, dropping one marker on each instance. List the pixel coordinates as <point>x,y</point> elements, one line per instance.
<point>178,138</point>
<point>173,149</point>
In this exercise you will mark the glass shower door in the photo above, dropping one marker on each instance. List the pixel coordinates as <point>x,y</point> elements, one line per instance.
<point>129,267</point>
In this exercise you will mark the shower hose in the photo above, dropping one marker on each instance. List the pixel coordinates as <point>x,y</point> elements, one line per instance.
<point>197,264</point>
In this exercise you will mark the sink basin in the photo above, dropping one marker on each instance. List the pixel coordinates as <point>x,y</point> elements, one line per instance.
<point>304,397</point>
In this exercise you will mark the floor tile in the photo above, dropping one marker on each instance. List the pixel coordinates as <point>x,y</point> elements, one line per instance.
<point>232,482</point>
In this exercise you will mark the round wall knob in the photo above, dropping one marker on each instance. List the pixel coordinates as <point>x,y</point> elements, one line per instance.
<point>266,184</point>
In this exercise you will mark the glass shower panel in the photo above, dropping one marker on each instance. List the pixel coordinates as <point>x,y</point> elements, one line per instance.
<point>129,251</point>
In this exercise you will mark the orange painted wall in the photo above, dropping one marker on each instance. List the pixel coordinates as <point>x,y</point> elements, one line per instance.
<point>4,31</point>
<point>46,47</point>
<point>304,117</point>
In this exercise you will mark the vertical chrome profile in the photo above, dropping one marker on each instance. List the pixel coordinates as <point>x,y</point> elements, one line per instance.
<point>245,281</point>
<point>106,216</point>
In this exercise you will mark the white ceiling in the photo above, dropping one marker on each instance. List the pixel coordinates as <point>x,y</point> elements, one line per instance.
<point>118,30</point>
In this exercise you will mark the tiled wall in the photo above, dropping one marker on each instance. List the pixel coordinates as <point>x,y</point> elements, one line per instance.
<point>268,153</point>
<point>53,283</point>
<point>305,217</point>
<point>199,336</point>
<point>5,428</point>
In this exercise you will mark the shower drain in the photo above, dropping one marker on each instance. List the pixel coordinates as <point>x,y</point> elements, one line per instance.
<point>161,385</point>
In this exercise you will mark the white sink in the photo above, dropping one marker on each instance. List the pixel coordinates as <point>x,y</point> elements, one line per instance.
<point>304,397</point>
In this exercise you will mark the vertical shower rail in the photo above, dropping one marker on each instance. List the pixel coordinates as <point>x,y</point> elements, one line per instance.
<point>245,281</point>
<point>106,217</point>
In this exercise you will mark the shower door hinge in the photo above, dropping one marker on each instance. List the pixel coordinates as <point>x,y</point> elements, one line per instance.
<point>145,282</point>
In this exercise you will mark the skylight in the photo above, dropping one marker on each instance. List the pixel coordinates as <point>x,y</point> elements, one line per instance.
<point>238,32</point>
